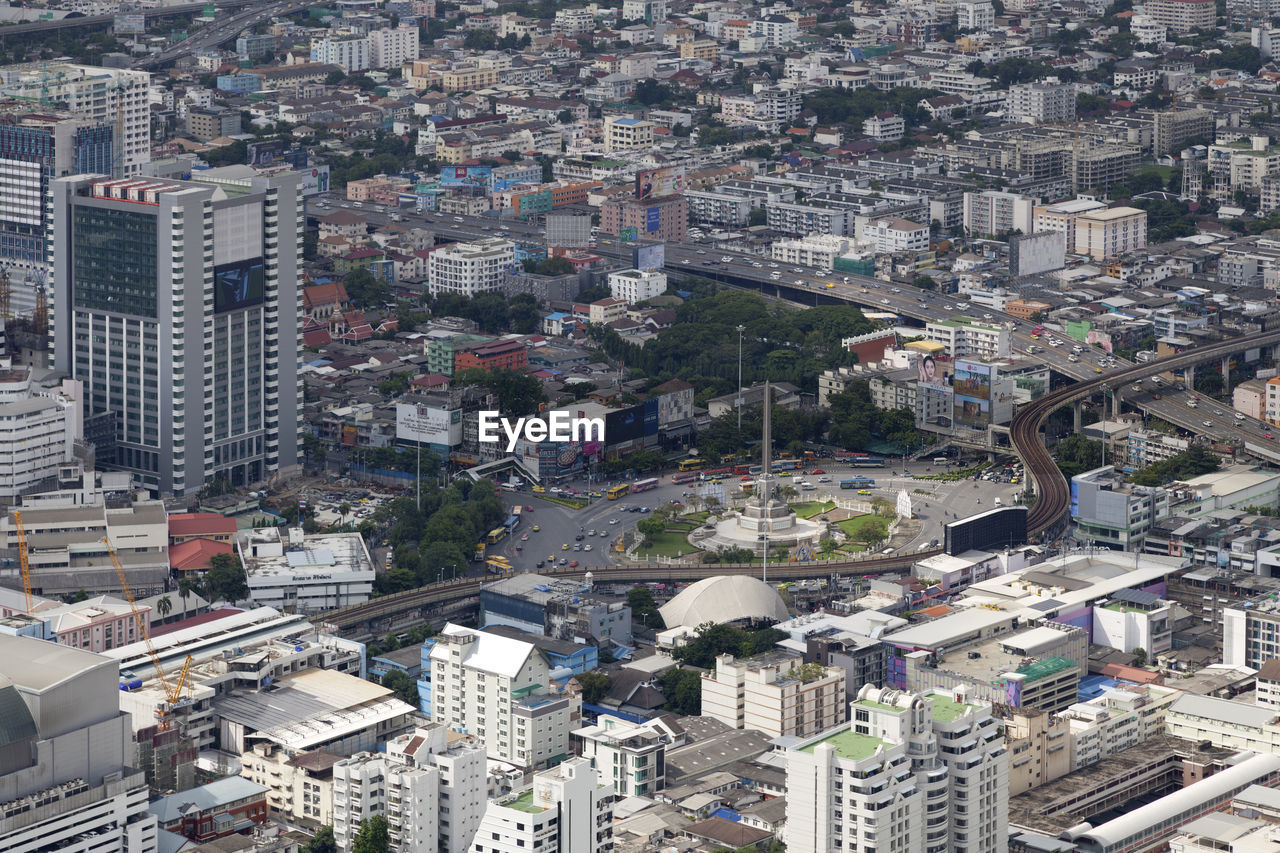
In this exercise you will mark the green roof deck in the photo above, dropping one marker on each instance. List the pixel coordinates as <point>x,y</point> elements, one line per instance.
<point>946,709</point>
<point>879,706</point>
<point>524,803</point>
<point>849,744</point>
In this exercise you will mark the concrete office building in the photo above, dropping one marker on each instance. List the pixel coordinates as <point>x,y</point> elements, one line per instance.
<point>471,268</point>
<point>67,779</point>
<point>909,773</point>
<point>663,219</point>
<point>567,809</point>
<point>1062,217</point>
<point>1041,103</point>
<point>1182,16</point>
<point>175,303</point>
<point>816,250</point>
<point>34,149</point>
<point>431,789</point>
<point>1114,513</point>
<point>623,133</point>
<point>776,693</point>
<point>391,47</point>
<point>292,571</point>
<point>965,338</point>
<point>501,690</point>
<point>112,96</point>
<point>38,431</point>
<point>632,286</point>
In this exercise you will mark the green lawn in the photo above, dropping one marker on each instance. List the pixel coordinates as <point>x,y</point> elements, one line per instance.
<point>808,509</point>
<point>668,543</point>
<point>854,526</point>
<point>697,516</point>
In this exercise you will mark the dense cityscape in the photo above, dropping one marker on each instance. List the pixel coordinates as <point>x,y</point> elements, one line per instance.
<point>682,426</point>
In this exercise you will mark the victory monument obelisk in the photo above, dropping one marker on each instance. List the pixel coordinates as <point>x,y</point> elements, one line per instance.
<point>764,514</point>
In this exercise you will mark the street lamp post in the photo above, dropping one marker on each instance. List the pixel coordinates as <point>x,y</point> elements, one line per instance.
<point>738,402</point>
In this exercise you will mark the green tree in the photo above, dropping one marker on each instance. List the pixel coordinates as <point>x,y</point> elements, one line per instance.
<point>683,691</point>
<point>322,842</point>
<point>365,289</point>
<point>1208,382</point>
<point>757,216</point>
<point>164,606</point>
<point>1077,454</point>
<point>643,607</point>
<point>518,394</point>
<point>594,686</point>
<point>1192,462</point>
<point>313,448</point>
<point>403,686</point>
<point>226,579</point>
<point>480,40</point>
<point>924,282</point>
<point>1139,656</point>
<point>186,587</point>
<point>374,835</point>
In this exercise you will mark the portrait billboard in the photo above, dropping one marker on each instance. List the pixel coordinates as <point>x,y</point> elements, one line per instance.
<point>624,425</point>
<point>972,412</point>
<point>656,183</point>
<point>237,285</point>
<point>972,380</point>
<point>649,257</point>
<point>472,177</point>
<point>652,219</point>
<point>927,370</point>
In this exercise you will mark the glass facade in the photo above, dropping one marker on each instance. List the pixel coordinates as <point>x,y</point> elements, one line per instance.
<point>114,267</point>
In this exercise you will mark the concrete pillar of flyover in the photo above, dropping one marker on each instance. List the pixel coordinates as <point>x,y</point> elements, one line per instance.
<point>1075,412</point>
<point>1226,374</point>
<point>1116,403</point>
<point>1189,377</point>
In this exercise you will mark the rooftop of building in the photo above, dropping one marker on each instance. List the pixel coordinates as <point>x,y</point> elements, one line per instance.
<point>946,709</point>
<point>847,743</point>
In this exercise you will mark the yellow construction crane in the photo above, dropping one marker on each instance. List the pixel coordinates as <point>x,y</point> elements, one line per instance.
<point>172,692</point>
<point>22,558</point>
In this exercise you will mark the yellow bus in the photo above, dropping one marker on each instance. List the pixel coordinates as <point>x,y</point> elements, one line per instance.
<point>691,465</point>
<point>618,492</point>
<point>479,555</point>
<point>496,535</point>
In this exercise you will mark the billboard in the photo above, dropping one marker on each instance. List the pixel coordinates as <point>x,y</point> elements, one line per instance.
<point>237,285</point>
<point>472,177</point>
<point>350,435</point>
<point>266,153</point>
<point>651,417</point>
<point>652,219</point>
<point>1036,253</point>
<point>972,379</point>
<point>655,183</point>
<point>649,257</point>
<point>927,370</point>
<point>972,412</point>
<point>624,425</point>
<point>425,424</point>
<point>628,235</point>
<point>130,24</point>
<point>314,180</point>
<point>996,528</point>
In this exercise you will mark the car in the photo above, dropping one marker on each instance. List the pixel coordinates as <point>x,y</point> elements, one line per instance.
<point>564,561</point>
<point>1267,435</point>
<point>818,471</point>
<point>556,490</point>
<point>536,528</point>
<point>519,547</point>
<point>578,538</point>
<point>613,521</point>
<point>1217,411</point>
<point>1097,370</point>
<point>987,317</point>
<point>577,546</point>
<point>863,492</point>
<point>1207,423</point>
<point>824,479</point>
<point>685,261</point>
<point>573,564</point>
<point>1239,416</point>
<point>773,266</point>
<point>796,269</point>
<point>830,285</point>
<point>524,538</point>
<point>594,495</point>
<point>587,547</point>
<point>564,547</point>
<point>897,290</point>
<point>775,275</point>
<point>757,265</point>
<point>542,563</point>
<point>799,281</point>
<point>644,509</point>
<point>701,252</point>
<point>884,301</point>
<point>726,260</point>
<point>528,509</point>
<point>1136,387</point>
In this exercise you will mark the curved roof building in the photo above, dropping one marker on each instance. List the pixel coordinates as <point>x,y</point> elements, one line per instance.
<point>724,598</point>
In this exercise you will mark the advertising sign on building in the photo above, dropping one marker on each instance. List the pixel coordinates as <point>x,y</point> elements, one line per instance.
<point>653,219</point>
<point>425,424</point>
<point>628,235</point>
<point>972,385</point>
<point>130,24</point>
<point>656,183</point>
<point>465,176</point>
<point>649,257</point>
<point>314,180</point>
<point>1030,254</point>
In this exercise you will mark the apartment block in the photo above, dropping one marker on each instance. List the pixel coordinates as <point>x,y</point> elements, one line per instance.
<point>430,786</point>
<point>909,773</point>
<point>471,268</point>
<point>622,133</point>
<point>1041,103</point>
<point>392,47</point>
<point>500,689</point>
<point>775,695</point>
<point>632,286</point>
<point>896,235</point>
<point>1182,16</point>
<point>817,250</point>
<point>991,213</point>
<point>1119,719</point>
<point>1114,513</point>
<point>964,338</point>
<point>629,756</point>
<point>567,809</point>
<point>1110,233</point>
<point>350,53</point>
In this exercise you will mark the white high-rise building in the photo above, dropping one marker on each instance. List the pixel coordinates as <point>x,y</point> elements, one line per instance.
<point>500,690</point>
<point>471,268</point>
<point>392,47</point>
<point>633,755</point>
<point>979,15</point>
<point>910,773</point>
<point>108,95</point>
<point>991,212</point>
<point>432,792</point>
<point>350,53</point>
<point>778,697</point>
<point>1039,103</point>
<point>568,809</point>
<point>38,430</point>
<point>632,286</point>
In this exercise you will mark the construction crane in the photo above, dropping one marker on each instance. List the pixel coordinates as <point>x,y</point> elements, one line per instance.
<point>172,692</point>
<point>22,558</point>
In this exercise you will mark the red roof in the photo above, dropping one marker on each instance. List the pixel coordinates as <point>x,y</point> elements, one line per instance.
<point>201,524</point>
<point>431,380</point>
<point>193,621</point>
<point>195,554</point>
<point>316,337</point>
<point>334,293</point>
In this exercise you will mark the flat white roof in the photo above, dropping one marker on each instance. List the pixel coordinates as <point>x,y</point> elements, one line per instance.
<point>1234,479</point>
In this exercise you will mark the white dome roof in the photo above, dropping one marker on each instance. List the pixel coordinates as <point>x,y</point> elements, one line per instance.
<point>724,598</point>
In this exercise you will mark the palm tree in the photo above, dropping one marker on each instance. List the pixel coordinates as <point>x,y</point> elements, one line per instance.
<point>344,510</point>
<point>164,606</point>
<point>186,586</point>
<point>787,493</point>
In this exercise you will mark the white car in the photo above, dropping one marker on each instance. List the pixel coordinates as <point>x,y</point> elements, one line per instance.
<point>884,301</point>
<point>726,260</point>
<point>613,521</point>
<point>775,275</point>
<point>587,547</point>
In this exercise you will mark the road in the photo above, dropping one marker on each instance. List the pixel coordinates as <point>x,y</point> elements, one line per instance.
<point>104,21</point>
<point>221,31</point>
<point>919,305</point>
